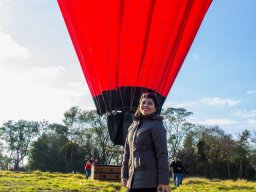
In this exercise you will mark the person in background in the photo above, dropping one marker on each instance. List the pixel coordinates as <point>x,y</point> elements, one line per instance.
<point>145,158</point>
<point>87,168</point>
<point>96,162</point>
<point>178,171</point>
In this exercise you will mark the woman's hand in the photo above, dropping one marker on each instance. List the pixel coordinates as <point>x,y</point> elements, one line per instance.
<point>163,188</point>
<point>124,181</point>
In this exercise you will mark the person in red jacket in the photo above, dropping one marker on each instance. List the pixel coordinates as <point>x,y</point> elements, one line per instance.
<point>88,168</point>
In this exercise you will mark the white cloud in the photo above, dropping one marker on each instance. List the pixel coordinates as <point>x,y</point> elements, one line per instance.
<point>79,86</point>
<point>219,122</point>
<point>29,95</point>
<point>246,114</point>
<point>3,1</point>
<point>195,56</point>
<point>185,105</point>
<point>251,92</point>
<point>216,101</point>
<point>11,49</point>
<point>32,86</point>
<point>45,75</point>
<point>251,122</point>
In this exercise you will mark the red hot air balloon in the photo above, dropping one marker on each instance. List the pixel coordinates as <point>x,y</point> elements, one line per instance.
<point>126,47</point>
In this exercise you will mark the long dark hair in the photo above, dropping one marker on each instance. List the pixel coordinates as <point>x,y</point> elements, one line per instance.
<point>149,95</point>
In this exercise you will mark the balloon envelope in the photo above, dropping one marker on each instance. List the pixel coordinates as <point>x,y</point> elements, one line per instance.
<point>126,47</point>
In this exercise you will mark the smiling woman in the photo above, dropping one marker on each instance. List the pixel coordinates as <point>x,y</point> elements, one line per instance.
<point>145,158</point>
<point>147,106</point>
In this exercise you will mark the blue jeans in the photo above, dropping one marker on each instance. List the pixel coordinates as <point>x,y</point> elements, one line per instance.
<point>87,173</point>
<point>177,179</point>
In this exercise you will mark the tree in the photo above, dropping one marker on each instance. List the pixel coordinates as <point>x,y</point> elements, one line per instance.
<point>253,153</point>
<point>252,160</point>
<point>75,128</point>
<point>4,161</point>
<point>71,116</point>
<point>242,151</point>
<point>89,130</point>
<point>177,126</point>
<point>55,152</point>
<point>228,146</point>
<point>202,158</point>
<point>187,154</point>
<point>220,155</point>
<point>213,139</point>
<point>97,127</point>
<point>17,137</point>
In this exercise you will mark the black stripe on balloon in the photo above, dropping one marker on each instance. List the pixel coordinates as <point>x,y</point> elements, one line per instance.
<point>120,100</point>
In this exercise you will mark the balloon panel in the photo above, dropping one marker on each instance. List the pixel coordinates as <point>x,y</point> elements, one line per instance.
<point>126,47</point>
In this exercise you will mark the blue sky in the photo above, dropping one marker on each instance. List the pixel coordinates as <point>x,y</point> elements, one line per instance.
<point>40,76</point>
<point>217,81</point>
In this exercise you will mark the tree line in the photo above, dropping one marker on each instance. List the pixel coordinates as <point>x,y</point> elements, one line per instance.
<point>204,150</point>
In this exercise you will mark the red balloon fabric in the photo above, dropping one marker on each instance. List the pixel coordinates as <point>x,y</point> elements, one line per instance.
<point>126,47</point>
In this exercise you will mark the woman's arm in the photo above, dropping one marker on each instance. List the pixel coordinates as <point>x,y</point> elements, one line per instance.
<point>125,162</point>
<point>160,144</point>
<point>183,168</point>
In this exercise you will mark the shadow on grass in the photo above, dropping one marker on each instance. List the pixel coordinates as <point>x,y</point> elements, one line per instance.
<point>196,182</point>
<point>235,187</point>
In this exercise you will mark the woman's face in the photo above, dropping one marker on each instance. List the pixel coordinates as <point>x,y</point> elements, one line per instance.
<point>147,106</point>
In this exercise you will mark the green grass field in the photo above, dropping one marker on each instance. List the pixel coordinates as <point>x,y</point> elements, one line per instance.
<point>45,181</point>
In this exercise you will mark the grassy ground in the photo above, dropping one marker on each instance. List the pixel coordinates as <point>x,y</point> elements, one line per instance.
<point>45,181</point>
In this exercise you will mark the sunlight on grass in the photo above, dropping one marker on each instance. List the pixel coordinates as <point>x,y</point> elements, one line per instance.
<point>46,181</point>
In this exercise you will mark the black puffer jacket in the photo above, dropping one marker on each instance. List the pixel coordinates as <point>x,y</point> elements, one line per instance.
<point>177,167</point>
<point>145,158</point>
